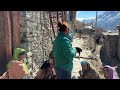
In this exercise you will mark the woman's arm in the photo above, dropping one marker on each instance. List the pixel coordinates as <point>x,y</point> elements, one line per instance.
<point>54,74</point>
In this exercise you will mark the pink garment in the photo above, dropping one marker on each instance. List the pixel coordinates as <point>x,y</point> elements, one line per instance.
<point>113,73</point>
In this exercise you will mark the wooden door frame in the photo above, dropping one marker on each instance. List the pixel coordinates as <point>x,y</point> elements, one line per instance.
<point>9,36</point>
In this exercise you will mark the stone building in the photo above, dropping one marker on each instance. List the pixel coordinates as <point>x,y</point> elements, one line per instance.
<point>31,30</point>
<point>110,44</point>
<point>111,48</point>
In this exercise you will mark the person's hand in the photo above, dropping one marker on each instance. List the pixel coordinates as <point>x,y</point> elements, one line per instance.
<point>81,73</point>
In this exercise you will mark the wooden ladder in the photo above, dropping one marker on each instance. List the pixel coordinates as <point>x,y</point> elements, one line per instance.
<point>54,16</point>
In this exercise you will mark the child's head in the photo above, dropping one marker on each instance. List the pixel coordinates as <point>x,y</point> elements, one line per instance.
<point>47,65</point>
<point>85,65</point>
<point>22,55</point>
<point>19,54</point>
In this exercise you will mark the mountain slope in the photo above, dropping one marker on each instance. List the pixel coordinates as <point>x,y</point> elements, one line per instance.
<point>108,20</point>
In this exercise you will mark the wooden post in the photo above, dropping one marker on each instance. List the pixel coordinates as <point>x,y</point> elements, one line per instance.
<point>65,12</point>
<point>63,16</point>
<point>51,24</point>
<point>5,40</point>
<point>15,27</point>
<point>9,36</point>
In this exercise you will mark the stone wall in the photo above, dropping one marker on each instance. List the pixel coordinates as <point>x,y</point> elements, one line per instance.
<point>91,43</point>
<point>110,45</point>
<point>23,31</point>
<point>35,36</point>
<point>87,31</point>
<point>119,45</point>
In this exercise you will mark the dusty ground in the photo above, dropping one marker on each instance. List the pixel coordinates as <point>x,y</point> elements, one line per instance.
<point>95,62</point>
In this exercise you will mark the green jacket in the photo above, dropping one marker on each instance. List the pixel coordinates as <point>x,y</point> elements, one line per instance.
<point>63,52</point>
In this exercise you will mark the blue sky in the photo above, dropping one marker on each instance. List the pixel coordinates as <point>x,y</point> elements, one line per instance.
<point>87,14</point>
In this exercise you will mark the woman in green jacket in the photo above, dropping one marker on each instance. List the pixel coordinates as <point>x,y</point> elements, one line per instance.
<point>63,52</point>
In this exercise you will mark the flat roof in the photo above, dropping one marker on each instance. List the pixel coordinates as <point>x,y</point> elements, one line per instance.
<point>110,33</point>
<point>87,27</point>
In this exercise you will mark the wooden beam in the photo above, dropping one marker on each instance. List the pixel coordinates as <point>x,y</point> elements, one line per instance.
<point>57,15</point>
<point>15,26</point>
<point>8,35</point>
<point>65,15</point>
<point>51,23</point>
<point>5,40</point>
<point>2,42</point>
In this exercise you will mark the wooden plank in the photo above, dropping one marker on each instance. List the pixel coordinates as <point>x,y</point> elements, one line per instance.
<point>15,20</point>
<point>5,40</point>
<point>3,58</point>
<point>2,41</point>
<point>51,24</point>
<point>57,16</point>
<point>2,23</point>
<point>65,15</point>
<point>8,35</point>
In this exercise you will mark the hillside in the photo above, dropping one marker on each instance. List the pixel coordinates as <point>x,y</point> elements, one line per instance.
<point>108,20</point>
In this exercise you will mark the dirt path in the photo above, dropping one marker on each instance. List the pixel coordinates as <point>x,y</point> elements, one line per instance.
<point>96,64</point>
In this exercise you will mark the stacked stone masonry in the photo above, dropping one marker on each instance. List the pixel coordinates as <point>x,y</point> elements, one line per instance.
<point>35,35</point>
<point>119,45</point>
<point>110,45</point>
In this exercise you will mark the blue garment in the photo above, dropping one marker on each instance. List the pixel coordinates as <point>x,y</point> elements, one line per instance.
<point>84,63</point>
<point>62,74</point>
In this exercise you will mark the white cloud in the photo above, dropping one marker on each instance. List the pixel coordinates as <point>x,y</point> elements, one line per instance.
<point>80,19</point>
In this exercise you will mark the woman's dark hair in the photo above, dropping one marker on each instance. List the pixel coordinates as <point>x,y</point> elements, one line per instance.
<point>62,27</point>
<point>45,65</point>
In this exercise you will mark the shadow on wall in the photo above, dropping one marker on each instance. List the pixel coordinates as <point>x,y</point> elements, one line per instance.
<point>108,61</point>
